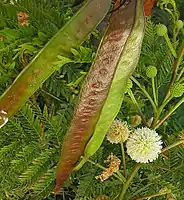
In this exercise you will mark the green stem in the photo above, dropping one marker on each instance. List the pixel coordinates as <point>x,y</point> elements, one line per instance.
<point>162,168</point>
<point>145,93</point>
<point>181,80</point>
<point>172,145</point>
<point>51,95</point>
<point>119,176</point>
<point>154,91</point>
<point>180,74</point>
<point>168,114</point>
<point>137,107</point>
<point>153,195</point>
<point>160,111</point>
<point>123,158</point>
<point>179,59</point>
<point>170,45</point>
<point>123,179</point>
<point>127,183</point>
<point>177,63</point>
<point>182,31</point>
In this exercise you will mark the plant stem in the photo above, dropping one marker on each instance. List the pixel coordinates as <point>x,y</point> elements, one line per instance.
<point>180,74</point>
<point>123,158</point>
<point>170,45</point>
<point>119,176</point>
<point>181,80</point>
<point>137,106</point>
<point>51,95</point>
<point>160,111</point>
<point>177,63</point>
<point>180,58</point>
<point>168,114</point>
<point>154,91</point>
<point>172,145</point>
<point>162,168</point>
<point>153,195</point>
<point>146,93</point>
<point>127,183</point>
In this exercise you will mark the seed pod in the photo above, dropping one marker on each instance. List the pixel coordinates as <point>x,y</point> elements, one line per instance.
<point>42,66</point>
<point>95,90</point>
<point>123,72</point>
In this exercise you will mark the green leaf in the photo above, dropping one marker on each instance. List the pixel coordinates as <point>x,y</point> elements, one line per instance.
<point>41,67</point>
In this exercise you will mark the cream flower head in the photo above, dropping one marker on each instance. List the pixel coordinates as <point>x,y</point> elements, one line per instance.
<point>118,132</point>
<point>144,145</point>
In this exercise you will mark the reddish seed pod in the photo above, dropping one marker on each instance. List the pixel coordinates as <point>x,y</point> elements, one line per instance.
<point>95,90</point>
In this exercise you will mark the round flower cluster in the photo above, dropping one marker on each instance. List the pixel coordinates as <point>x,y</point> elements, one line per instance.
<point>177,90</point>
<point>151,71</point>
<point>118,132</point>
<point>144,145</point>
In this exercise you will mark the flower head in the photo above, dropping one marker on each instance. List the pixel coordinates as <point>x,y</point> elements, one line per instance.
<point>22,18</point>
<point>118,132</point>
<point>113,166</point>
<point>144,145</point>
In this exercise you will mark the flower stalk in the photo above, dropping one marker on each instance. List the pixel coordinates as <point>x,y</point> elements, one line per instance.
<point>123,158</point>
<point>128,182</point>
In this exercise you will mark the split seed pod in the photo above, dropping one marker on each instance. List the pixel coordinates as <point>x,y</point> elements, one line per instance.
<point>126,65</point>
<point>95,90</point>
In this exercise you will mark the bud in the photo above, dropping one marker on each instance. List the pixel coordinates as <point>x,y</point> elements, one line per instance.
<point>151,71</point>
<point>177,90</point>
<point>179,24</point>
<point>161,30</point>
<point>135,120</point>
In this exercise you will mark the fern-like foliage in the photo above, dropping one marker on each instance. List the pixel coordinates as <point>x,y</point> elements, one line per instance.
<point>29,156</point>
<point>155,52</point>
<point>20,42</point>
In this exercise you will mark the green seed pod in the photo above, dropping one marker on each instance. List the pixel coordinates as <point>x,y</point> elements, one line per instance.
<point>161,30</point>
<point>151,71</point>
<point>179,24</point>
<point>177,90</point>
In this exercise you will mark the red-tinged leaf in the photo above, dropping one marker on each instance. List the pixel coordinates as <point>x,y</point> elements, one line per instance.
<point>95,90</point>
